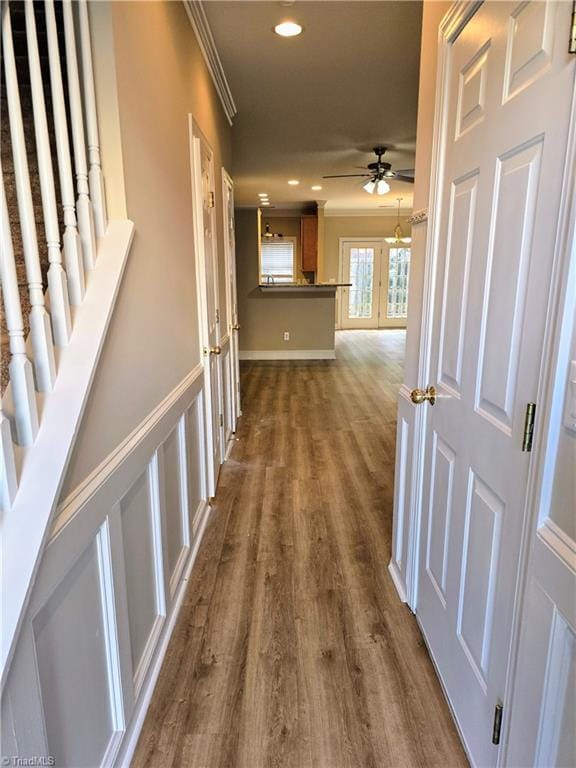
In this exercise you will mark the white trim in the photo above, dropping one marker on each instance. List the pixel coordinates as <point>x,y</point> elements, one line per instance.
<point>287,354</point>
<point>199,22</point>
<point>418,217</point>
<point>397,579</point>
<point>88,488</point>
<point>132,734</point>
<point>362,213</point>
<point>25,536</point>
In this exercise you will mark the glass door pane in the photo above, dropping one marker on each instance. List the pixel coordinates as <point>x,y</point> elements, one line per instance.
<point>362,279</point>
<point>398,275</point>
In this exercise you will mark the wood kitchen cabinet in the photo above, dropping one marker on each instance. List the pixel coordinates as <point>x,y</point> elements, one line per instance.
<point>309,242</point>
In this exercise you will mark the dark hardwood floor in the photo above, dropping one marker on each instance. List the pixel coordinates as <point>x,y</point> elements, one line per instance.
<point>292,647</point>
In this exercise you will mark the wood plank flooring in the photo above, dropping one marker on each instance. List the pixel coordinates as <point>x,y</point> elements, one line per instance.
<point>292,647</point>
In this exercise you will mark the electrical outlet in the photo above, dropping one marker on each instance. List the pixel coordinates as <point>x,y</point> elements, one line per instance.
<point>286,335</point>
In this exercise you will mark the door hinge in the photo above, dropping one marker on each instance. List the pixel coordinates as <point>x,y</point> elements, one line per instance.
<point>497,727</point>
<point>572,43</point>
<point>211,199</point>
<point>217,315</point>
<point>528,427</point>
<point>221,420</point>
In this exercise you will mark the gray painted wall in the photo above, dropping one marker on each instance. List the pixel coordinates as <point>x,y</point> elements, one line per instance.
<point>265,316</point>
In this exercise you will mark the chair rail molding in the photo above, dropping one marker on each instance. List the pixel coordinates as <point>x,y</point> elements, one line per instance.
<point>118,560</point>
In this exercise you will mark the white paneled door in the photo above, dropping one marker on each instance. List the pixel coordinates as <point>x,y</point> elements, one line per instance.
<point>507,89</point>
<point>208,297</point>
<point>378,294</point>
<point>232,296</point>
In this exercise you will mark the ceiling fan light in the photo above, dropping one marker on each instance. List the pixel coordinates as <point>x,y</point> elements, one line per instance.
<point>382,187</point>
<point>370,186</point>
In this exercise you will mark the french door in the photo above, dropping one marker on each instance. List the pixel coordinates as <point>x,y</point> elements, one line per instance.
<point>379,274</point>
<point>208,296</point>
<point>495,218</point>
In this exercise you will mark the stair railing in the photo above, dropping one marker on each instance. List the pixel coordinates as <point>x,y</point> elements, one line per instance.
<point>95,175</point>
<point>83,203</point>
<point>41,334</point>
<point>21,376</point>
<point>57,282</point>
<point>32,362</point>
<point>72,243</point>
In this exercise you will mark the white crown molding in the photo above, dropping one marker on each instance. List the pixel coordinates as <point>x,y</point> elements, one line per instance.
<point>380,212</point>
<point>418,217</point>
<point>199,22</point>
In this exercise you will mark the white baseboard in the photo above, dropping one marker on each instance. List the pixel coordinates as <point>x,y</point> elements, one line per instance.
<point>397,579</point>
<point>287,354</point>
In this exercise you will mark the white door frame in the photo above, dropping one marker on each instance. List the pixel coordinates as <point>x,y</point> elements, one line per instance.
<point>195,137</point>
<point>231,289</point>
<point>450,27</point>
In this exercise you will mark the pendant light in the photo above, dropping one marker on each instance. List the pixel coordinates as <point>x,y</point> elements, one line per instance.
<point>398,233</point>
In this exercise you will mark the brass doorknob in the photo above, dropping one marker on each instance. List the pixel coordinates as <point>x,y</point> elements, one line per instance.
<point>215,350</point>
<point>422,395</point>
<point>236,327</point>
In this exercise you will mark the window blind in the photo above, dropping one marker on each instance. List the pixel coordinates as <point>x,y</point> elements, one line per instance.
<point>277,258</point>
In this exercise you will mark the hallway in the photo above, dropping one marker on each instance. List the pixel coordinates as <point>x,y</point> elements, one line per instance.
<point>292,648</point>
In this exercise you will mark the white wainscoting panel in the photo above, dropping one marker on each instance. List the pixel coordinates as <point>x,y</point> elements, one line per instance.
<point>108,593</point>
<point>197,490</point>
<point>145,598</point>
<point>174,504</point>
<point>68,630</point>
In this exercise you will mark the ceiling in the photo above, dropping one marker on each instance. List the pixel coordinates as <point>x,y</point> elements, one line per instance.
<point>317,104</point>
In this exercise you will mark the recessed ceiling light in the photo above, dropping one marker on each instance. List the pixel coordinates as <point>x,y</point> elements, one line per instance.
<point>316,187</point>
<point>262,194</point>
<point>288,29</point>
<point>293,182</point>
<point>265,202</point>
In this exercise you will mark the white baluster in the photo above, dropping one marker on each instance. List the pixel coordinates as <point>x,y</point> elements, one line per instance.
<point>83,203</point>
<point>57,283</point>
<point>72,245</point>
<point>8,476</point>
<point>95,175</point>
<point>21,376</point>
<point>41,335</point>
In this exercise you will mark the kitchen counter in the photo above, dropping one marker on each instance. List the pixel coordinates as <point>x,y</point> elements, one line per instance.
<point>323,287</point>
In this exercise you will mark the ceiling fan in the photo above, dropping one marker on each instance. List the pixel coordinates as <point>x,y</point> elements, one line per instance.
<point>377,174</point>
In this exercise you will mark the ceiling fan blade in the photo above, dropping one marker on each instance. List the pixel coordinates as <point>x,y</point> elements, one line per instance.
<point>405,171</point>
<point>400,177</point>
<point>347,175</point>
